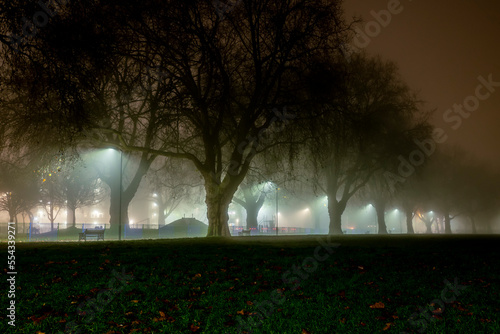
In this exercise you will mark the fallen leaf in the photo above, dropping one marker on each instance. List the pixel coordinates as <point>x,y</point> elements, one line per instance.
<point>378,305</point>
<point>387,326</point>
<point>194,328</point>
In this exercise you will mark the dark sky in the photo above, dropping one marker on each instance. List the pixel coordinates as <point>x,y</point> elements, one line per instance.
<point>442,47</point>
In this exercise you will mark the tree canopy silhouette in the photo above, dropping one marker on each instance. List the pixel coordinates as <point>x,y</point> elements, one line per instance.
<point>222,86</point>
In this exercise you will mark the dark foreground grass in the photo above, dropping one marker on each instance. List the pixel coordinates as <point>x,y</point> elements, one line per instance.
<point>369,284</point>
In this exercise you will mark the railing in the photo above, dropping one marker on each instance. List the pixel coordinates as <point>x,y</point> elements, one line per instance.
<point>264,230</point>
<point>62,232</point>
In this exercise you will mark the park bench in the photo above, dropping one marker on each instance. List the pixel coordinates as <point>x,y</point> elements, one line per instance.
<point>99,234</point>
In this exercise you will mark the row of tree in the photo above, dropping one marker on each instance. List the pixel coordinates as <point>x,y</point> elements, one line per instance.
<point>260,93</point>
<point>72,181</point>
<point>50,183</point>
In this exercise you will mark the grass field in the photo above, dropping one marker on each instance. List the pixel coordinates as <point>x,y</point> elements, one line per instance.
<point>310,284</point>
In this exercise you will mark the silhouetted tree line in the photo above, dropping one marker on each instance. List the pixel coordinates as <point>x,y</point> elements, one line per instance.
<point>258,93</point>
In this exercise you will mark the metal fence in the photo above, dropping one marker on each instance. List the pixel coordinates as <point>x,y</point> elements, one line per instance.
<point>264,230</point>
<point>61,232</point>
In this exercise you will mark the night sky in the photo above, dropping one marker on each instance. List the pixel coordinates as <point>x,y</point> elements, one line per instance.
<point>442,47</point>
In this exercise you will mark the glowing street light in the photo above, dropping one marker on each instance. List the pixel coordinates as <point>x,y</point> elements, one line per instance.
<point>120,199</point>
<point>277,213</point>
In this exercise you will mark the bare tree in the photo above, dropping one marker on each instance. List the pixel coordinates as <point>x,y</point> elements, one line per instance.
<point>377,192</point>
<point>50,182</point>
<point>428,218</point>
<point>85,95</point>
<point>408,196</point>
<point>252,199</point>
<point>362,130</point>
<point>18,192</point>
<point>229,80</point>
<point>81,187</point>
<point>474,189</point>
<point>445,181</point>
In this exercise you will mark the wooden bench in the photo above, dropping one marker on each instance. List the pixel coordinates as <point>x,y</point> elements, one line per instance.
<point>99,234</point>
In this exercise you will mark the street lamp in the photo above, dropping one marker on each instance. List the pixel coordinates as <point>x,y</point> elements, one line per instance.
<point>401,222</point>
<point>120,202</point>
<point>120,196</point>
<point>277,189</point>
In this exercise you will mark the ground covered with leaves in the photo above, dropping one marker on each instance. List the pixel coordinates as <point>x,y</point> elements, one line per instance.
<point>312,284</point>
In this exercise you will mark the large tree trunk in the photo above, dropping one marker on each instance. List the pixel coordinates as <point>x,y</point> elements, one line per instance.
<point>161,211</point>
<point>218,196</point>
<point>51,216</point>
<point>316,216</point>
<point>335,211</point>
<point>447,223</point>
<point>217,200</point>
<point>408,208</point>
<point>114,207</point>
<point>252,214</point>
<point>71,217</point>
<point>114,199</point>
<point>124,195</point>
<point>380,209</point>
<point>428,225</point>
<point>409,222</point>
<point>252,205</point>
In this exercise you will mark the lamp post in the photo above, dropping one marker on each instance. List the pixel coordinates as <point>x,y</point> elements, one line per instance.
<point>120,194</point>
<point>120,200</point>
<point>400,223</point>
<point>277,189</point>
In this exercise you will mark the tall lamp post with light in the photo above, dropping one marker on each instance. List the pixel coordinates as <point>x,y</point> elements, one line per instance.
<point>120,195</point>
<point>401,218</point>
<point>277,214</point>
<point>120,200</point>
